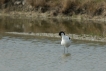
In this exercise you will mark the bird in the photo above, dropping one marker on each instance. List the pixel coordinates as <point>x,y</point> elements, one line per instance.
<point>65,40</point>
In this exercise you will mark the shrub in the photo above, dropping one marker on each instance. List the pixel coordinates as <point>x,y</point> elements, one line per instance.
<point>69,5</point>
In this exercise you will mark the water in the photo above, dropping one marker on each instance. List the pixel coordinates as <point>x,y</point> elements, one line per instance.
<point>52,26</point>
<point>31,53</point>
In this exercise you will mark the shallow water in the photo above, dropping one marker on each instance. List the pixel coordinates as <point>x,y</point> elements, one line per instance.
<point>44,54</point>
<point>21,50</point>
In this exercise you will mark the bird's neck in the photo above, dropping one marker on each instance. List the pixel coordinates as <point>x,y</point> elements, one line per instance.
<point>62,36</point>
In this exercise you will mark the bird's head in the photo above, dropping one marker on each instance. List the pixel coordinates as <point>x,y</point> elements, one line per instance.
<point>61,33</point>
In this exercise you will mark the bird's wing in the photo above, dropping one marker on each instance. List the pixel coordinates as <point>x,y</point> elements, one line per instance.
<point>68,37</point>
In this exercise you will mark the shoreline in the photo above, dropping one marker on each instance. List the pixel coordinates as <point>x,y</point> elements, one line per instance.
<point>83,37</point>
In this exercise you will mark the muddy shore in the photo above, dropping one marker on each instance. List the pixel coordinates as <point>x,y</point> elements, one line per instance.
<point>83,37</point>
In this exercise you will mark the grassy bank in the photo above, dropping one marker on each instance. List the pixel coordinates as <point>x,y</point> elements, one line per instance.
<point>81,9</point>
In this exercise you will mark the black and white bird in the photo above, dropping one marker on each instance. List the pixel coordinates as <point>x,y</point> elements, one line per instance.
<point>65,40</point>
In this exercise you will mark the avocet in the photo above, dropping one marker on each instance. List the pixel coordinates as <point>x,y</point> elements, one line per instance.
<point>65,40</point>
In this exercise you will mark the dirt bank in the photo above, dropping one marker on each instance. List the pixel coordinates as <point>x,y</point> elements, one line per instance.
<point>34,15</point>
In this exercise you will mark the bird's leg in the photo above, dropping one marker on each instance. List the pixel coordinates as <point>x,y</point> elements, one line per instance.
<point>67,50</point>
<point>64,50</point>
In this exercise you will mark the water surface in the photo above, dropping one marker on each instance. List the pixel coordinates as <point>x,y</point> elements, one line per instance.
<point>31,53</point>
<point>52,26</point>
<point>44,54</point>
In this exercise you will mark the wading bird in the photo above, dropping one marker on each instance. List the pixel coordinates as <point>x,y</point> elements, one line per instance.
<point>65,40</point>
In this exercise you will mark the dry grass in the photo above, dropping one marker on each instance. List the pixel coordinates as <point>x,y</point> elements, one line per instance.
<point>37,3</point>
<point>69,5</point>
<point>93,7</point>
<point>53,3</point>
<point>2,1</point>
<point>89,7</point>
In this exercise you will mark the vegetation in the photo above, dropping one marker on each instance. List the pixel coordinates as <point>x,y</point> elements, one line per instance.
<point>66,7</point>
